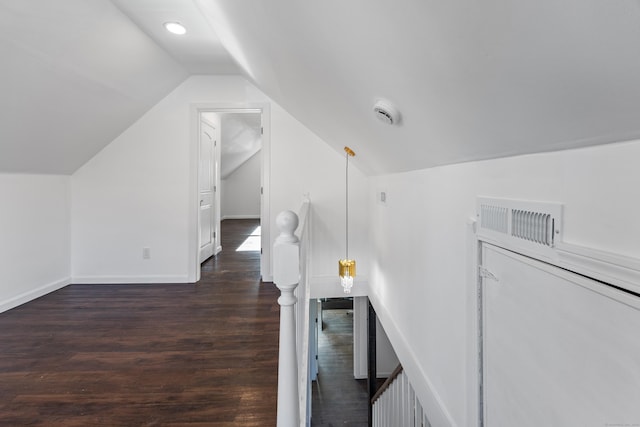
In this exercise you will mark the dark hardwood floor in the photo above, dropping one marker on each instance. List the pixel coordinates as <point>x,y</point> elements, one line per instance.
<point>147,355</point>
<point>338,399</point>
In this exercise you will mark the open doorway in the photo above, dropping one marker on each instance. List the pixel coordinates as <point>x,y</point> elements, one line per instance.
<point>232,158</point>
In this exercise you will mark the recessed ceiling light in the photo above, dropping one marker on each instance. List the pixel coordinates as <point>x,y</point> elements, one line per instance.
<point>175,28</point>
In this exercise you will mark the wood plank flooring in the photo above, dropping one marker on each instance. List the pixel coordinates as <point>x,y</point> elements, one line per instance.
<point>147,355</point>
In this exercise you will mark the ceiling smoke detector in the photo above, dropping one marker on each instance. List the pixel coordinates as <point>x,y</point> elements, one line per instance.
<point>386,112</point>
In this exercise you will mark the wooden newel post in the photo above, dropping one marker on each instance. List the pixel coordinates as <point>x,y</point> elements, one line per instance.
<point>286,275</point>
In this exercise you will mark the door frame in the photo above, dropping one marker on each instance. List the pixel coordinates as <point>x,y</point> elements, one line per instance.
<point>474,355</point>
<point>193,208</point>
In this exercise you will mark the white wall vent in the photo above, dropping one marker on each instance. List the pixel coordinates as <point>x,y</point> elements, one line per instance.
<point>494,218</point>
<point>536,227</point>
<point>520,225</point>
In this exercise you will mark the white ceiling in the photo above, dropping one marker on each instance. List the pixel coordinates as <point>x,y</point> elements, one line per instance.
<point>199,50</point>
<point>473,80</point>
<point>240,137</point>
<point>76,73</point>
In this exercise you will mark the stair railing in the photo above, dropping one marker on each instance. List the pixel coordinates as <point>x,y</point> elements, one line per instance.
<point>396,404</point>
<point>290,274</point>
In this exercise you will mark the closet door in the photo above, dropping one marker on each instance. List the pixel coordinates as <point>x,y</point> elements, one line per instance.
<point>559,349</point>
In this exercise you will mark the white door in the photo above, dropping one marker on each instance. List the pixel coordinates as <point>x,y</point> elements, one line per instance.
<point>207,171</point>
<point>559,349</point>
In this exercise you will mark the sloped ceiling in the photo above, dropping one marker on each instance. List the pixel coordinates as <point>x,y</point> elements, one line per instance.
<point>472,80</point>
<point>74,75</point>
<point>199,51</point>
<point>241,140</point>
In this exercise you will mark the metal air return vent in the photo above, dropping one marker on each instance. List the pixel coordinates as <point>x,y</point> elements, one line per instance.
<point>536,227</point>
<point>494,218</point>
<point>520,225</point>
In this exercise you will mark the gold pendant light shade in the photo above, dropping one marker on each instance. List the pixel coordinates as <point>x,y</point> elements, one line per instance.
<point>347,267</point>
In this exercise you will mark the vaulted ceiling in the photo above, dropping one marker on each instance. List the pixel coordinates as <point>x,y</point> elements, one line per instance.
<point>74,75</point>
<point>472,80</point>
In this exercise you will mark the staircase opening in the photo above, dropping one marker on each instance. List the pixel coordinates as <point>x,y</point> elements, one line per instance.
<point>337,397</point>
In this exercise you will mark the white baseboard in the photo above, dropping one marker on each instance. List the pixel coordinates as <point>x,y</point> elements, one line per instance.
<point>116,280</point>
<point>425,391</point>
<point>240,217</point>
<point>33,294</point>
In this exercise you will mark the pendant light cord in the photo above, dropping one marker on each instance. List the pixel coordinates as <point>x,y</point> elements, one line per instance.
<point>346,204</point>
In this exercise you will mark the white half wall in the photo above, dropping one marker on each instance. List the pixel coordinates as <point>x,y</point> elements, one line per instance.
<point>240,192</point>
<point>135,192</point>
<point>418,277</point>
<point>35,246</point>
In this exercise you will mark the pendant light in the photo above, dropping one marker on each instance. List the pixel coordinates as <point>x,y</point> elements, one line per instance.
<point>346,266</point>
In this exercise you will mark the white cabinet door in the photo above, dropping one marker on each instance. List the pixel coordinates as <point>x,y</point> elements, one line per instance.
<point>559,349</point>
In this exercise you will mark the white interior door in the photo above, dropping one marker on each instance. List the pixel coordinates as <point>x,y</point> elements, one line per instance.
<point>559,349</point>
<point>207,188</point>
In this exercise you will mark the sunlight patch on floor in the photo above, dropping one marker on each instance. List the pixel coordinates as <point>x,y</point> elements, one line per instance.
<point>251,243</point>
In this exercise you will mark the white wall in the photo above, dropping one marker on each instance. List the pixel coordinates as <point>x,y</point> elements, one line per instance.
<point>135,192</point>
<point>240,192</point>
<point>418,272</point>
<point>386,358</point>
<point>35,229</point>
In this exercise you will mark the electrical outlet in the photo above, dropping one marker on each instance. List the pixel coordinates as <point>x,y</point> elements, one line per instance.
<point>382,197</point>
<point>146,253</point>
